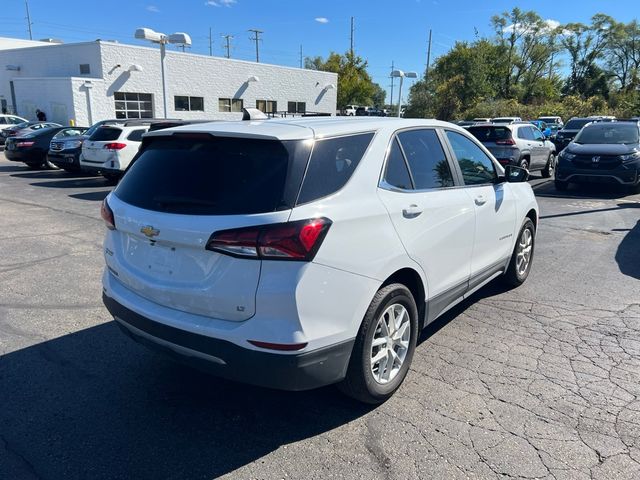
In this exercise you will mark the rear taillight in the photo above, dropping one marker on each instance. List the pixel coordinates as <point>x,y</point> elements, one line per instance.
<point>283,347</point>
<point>115,146</point>
<point>25,144</point>
<point>299,240</point>
<point>507,141</point>
<point>107,215</point>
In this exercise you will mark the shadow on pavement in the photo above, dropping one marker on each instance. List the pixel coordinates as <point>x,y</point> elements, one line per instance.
<point>16,167</point>
<point>74,182</point>
<point>92,404</point>
<point>628,253</point>
<point>587,191</point>
<point>620,206</point>
<point>92,196</point>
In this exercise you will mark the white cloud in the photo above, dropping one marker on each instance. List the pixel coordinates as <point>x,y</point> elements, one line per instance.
<point>322,20</point>
<point>220,3</point>
<point>153,8</point>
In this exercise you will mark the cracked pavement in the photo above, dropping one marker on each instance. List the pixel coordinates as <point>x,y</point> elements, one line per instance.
<point>538,382</point>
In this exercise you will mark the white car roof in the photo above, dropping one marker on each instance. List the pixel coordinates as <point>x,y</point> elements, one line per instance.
<point>302,128</point>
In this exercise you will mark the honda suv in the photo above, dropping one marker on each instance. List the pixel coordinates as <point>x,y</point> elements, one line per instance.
<point>520,144</point>
<point>305,252</point>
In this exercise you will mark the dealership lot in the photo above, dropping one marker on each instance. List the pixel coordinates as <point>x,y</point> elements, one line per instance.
<point>542,381</point>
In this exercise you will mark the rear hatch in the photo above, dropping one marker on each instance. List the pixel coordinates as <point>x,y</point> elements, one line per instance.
<point>497,138</point>
<point>179,191</point>
<point>95,149</point>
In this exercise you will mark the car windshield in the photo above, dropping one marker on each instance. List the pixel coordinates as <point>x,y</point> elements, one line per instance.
<point>576,124</point>
<point>69,132</point>
<point>490,134</point>
<point>608,134</point>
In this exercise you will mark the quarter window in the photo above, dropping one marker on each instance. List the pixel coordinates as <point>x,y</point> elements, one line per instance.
<point>184,103</point>
<point>230,104</point>
<point>136,135</point>
<point>397,173</point>
<point>477,168</point>
<point>133,105</point>
<point>427,162</point>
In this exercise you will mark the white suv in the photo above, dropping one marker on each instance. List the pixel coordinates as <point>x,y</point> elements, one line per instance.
<point>299,253</point>
<point>7,121</point>
<point>110,149</point>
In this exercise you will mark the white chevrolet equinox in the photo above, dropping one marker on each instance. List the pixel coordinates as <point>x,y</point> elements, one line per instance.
<point>299,253</point>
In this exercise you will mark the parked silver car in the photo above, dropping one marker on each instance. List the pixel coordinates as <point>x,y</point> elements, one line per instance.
<point>520,144</point>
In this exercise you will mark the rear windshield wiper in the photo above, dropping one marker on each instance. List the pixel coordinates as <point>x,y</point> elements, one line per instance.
<point>167,201</point>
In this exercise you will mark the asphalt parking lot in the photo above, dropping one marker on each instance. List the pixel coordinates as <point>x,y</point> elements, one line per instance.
<point>538,382</point>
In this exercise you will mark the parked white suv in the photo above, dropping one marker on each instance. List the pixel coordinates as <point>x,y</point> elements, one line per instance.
<point>110,149</point>
<point>299,253</point>
<point>350,110</point>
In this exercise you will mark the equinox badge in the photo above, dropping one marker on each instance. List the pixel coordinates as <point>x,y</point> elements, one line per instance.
<point>149,231</point>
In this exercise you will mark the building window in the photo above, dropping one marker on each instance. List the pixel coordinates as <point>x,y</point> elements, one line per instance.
<point>230,104</point>
<point>186,104</point>
<point>296,107</point>
<point>267,106</point>
<point>133,105</point>
<point>85,69</point>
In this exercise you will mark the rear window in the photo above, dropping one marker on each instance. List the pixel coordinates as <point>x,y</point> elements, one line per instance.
<point>332,163</point>
<point>105,134</point>
<point>490,134</point>
<point>136,135</point>
<point>215,175</point>
<point>576,124</point>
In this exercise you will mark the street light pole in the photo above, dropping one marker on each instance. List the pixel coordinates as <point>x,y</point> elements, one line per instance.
<point>400,95</point>
<point>400,74</point>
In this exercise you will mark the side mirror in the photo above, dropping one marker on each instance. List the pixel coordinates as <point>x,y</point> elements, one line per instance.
<point>515,174</point>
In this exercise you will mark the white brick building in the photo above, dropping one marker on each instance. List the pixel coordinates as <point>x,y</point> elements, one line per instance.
<point>87,82</point>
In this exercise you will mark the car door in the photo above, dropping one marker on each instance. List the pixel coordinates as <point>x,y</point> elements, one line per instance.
<point>494,205</point>
<point>433,217</point>
<point>542,149</point>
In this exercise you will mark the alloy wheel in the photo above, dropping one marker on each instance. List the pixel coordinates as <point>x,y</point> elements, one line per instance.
<point>523,254</point>
<point>390,343</point>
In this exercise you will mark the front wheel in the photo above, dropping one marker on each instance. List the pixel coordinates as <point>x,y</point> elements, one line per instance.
<point>384,346</point>
<point>520,264</point>
<point>550,168</point>
<point>524,163</point>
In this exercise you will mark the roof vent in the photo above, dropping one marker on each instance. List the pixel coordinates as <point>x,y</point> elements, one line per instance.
<point>253,114</point>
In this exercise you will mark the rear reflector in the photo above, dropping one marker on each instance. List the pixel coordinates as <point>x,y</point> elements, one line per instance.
<point>107,215</point>
<point>115,146</point>
<point>508,141</point>
<point>299,240</point>
<point>283,347</point>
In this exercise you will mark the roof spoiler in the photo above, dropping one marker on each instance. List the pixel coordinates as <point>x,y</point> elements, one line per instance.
<point>253,114</point>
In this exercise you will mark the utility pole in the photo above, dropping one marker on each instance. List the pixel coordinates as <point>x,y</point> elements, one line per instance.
<point>352,29</point>
<point>256,39</point>
<point>426,73</point>
<point>551,65</point>
<point>210,44</point>
<point>228,44</point>
<point>300,56</point>
<point>392,79</point>
<point>26,4</point>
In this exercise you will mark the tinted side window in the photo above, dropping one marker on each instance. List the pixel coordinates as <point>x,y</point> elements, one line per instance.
<point>331,165</point>
<point>136,135</point>
<point>397,173</point>
<point>477,168</point>
<point>426,158</point>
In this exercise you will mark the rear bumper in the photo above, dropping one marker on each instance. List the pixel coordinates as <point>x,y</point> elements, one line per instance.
<point>26,156</point>
<point>301,371</point>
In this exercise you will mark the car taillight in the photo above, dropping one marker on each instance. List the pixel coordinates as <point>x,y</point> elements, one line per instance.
<point>107,215</point>
<point>299,240</point>
<point>507,141</point>
<point>115,146</point>
<point>25,144</point>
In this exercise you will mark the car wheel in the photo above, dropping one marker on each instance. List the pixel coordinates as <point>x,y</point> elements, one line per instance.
<point>561,186</point>
<point>384,346</point>
<point>520,264</point>
<point>47,165</point>
<point>111,179</point>
<point>550,168</point>
<point>524,163</point>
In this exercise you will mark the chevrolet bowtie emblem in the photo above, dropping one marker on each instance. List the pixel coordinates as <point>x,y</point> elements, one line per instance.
<point>595,159</point>
<point>149,231</point>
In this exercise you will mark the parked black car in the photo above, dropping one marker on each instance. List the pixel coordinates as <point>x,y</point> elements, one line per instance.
<point>571,128</point>
<point>65,148</point>
<point>31,148</point>
<point>25,128</point>
<point>603,152</point>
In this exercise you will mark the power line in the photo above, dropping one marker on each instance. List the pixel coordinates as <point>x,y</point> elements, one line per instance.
<point>228,44</point>
<point>256,39</point>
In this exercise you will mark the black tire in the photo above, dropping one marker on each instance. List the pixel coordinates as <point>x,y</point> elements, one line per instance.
<point>47,165</point>
<point>515,275</point>
<point>359,382</point>
<point>35,166</point>
<point>550,167</point>
<point>111,179</point>
<point>524,163</point>
<point>561,186</point>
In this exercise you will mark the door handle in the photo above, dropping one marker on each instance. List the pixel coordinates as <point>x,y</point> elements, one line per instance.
<point>480,200</point>
<point>411,211</point>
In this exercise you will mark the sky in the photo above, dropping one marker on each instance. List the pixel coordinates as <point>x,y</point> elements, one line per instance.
<point>385,31</point>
